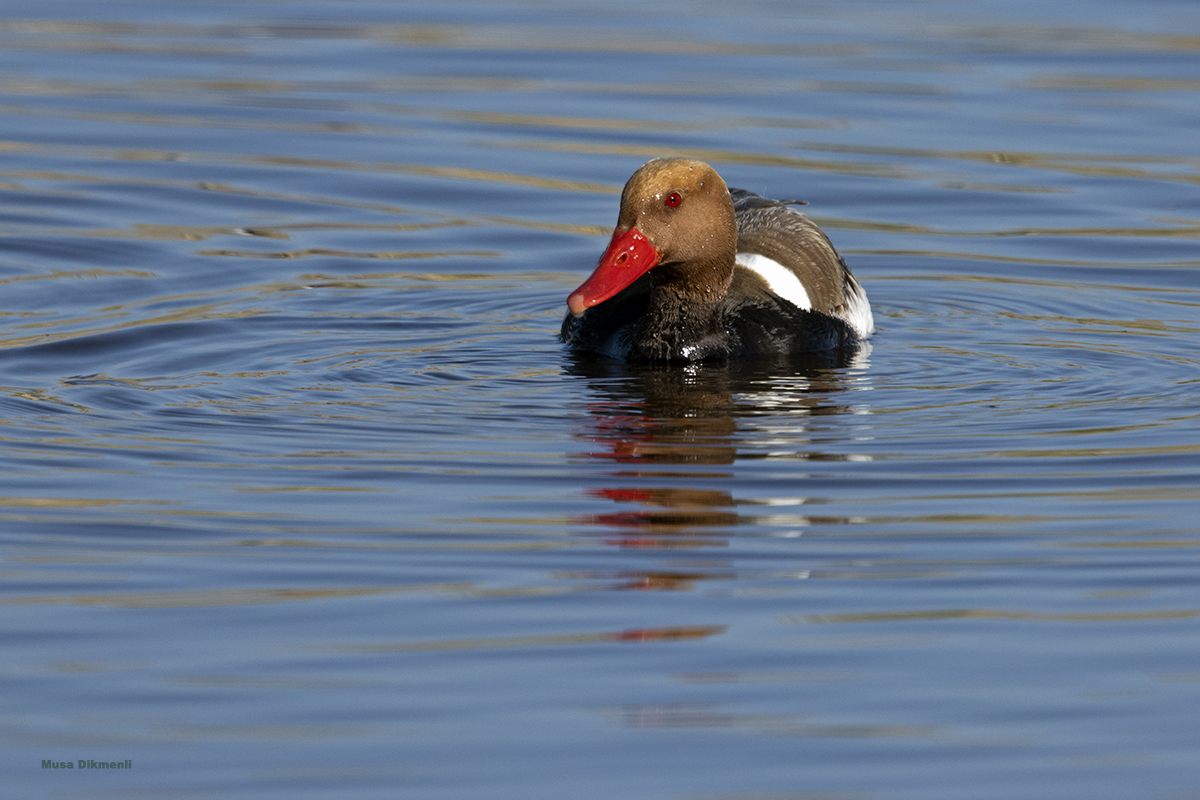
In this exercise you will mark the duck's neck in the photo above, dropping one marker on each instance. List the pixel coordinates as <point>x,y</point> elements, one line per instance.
<point>700,281</point>
<point>679,328</point>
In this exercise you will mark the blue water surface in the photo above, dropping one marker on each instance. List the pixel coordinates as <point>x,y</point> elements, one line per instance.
<point>300,496</point>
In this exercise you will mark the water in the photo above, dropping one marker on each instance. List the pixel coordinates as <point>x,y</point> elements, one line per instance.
<point>301,498</point>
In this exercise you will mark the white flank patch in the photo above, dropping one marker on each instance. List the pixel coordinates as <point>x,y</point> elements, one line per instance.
<point>858,310</point>
<point>781,280</point>
<point>784,283</point>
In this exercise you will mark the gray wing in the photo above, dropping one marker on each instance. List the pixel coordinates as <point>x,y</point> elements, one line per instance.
<point>771,228</point>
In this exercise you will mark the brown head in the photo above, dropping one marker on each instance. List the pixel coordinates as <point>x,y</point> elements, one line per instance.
<point>676,219</point>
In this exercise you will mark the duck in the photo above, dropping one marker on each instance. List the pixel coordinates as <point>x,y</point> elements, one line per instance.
<point>696,271</point>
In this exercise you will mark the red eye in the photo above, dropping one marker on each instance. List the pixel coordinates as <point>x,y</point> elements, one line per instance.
<point>673,200</point>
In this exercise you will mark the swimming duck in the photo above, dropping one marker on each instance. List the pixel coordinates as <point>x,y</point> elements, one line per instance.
<point>696,271</point>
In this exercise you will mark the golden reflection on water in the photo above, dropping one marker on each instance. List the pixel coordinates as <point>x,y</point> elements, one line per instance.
<point>197,233</point>
<point>663,634</point>
<point>722,156</point>
<point>458,173</point>
<point>206,312</point>
<point>208,307</point>
<point>211,598</point>
<point>199,122</point>
<point>320,251</point>
<point>61,274</point>
<point>75,502</point>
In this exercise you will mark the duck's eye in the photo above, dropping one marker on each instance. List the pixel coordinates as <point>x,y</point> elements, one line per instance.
<point>673,200</point>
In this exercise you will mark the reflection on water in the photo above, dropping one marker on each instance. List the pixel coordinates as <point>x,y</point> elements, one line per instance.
<point>649,421</point>
<point>522,642</point>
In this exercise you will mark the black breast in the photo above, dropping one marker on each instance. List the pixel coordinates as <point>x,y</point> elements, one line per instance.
<point>644,326</point>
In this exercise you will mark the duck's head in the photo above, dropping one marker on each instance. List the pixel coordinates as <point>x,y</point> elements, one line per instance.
<point>676,219</point>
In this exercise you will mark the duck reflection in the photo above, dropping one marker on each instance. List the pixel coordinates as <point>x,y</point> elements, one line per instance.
<point>674,435</point>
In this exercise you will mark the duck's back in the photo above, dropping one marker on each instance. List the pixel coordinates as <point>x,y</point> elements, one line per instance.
<point>787,252</point>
